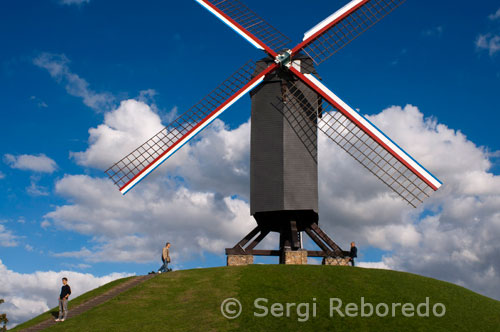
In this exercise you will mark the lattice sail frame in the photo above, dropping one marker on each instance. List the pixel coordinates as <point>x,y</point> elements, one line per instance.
<point>387,161</point>
<point>368,145</point>
<point>134,167</point>
<point>343,26</point>
<point>248,24</point>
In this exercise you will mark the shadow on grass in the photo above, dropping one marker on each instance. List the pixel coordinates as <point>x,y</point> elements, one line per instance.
<point>55,313</point>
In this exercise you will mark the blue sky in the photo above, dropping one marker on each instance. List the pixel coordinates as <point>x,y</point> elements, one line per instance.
<point>427,53</point>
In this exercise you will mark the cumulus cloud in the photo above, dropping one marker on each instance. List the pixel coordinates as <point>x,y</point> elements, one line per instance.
<point>373,265</point>
<point>123,130</point>
<point>34,189</point>
<point>495,16</point>
<point>28,295</point>
<point>488,42</point>
<point>216,148</point>
<point>7,238</point>
<point>58,67</point>
<point>451,236</point>
<point>199,199</point>
<point>36,163</point>
<point>122,231</point>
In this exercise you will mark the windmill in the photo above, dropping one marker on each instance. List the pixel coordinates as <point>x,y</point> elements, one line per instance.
<point>289,105</point>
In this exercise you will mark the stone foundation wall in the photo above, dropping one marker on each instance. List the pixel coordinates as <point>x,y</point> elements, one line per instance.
<point>239,260</point>
<point>295,257</point>
<point>336,261</point>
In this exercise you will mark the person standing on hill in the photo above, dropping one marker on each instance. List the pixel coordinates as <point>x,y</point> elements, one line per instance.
<point>353,253</point>
<point>63,300</point>
<point>165,257</point>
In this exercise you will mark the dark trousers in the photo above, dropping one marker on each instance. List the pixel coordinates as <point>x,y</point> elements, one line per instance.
<point>352,261</point>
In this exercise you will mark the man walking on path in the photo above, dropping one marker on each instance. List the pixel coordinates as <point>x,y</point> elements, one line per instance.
<point>63,300</point>
<point>165,257</point>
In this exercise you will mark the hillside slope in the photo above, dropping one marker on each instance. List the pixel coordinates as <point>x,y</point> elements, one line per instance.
<point>191,300</point>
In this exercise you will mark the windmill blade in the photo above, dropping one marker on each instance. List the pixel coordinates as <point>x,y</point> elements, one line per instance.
<point>137,165</point>
<point>248,24</point>
<point>343,26</point>
<point>367,144</point>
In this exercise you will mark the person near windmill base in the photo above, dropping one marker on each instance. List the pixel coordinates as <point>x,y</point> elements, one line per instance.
<point>63,300</point>
<point>165,257</point>
<point>353,253</point>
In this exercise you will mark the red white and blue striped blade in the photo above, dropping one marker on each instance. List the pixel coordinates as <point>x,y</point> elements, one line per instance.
<point>367,144</point>
<point>248,24</point>
<point>343,26</point>
<point>129,171</point>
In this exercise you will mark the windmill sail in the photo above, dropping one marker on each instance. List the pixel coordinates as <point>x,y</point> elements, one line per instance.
<point>248,24</point>
<point>368,145</point>
<point>138,164</point>
<point>343,26</point>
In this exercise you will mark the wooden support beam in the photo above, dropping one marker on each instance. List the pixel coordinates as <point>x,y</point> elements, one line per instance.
<point>289,240</point>
<point>313,253</point>
<point>248,237</point>
<point>318,241</point>
<point>327,239</point>
<point>294,235</point>
<point>262,235</point>
<point>258,252</point>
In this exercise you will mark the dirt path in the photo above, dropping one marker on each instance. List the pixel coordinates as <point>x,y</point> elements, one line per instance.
<point>93,302</point>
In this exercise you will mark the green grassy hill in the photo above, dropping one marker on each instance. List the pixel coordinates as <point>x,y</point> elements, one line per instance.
<point>191,300</point>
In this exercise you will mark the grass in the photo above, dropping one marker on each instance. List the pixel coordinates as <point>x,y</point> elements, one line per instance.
<point>51,313</point>
<point>190,301</point>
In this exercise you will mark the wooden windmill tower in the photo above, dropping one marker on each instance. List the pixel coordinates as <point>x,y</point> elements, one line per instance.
<point>289,105</point>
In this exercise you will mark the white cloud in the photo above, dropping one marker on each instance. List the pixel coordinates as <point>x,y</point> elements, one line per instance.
<point>37,163</point>
<point>207,221</point>
<point>495,16</point>
<point>123,130</point>
<point>57,66</point>
<point>7,238</point>
<point>80,266</point>
<point>211,219</point>
<point>373,265</point>
<point>2,176</point>
<point>488,42</point>
<point>84,252</point>
<point>36,190</point>
<point>189,201</point>
<point>74,2</point>
<point>433,32</point>
<point>39,103</point>
<point>450,237</point>
<point>28,295</point>
<point>216,148</point>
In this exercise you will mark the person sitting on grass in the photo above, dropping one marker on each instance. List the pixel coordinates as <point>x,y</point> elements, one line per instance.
<point>165,257</point>
<point>63,300</point>
<point>353,253</point>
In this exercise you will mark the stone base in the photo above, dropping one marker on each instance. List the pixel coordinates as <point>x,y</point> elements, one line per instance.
<point>294,257</point>
<point>239,260</point>
<point>336,261</point>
